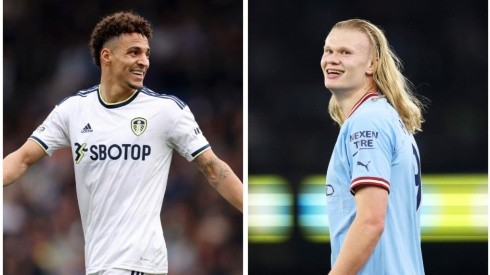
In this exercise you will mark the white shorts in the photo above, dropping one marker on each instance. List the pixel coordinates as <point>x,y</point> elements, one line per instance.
<point>117,271</point>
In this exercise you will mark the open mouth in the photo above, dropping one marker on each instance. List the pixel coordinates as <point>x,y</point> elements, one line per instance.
<point>138,73</point>
<point>334,72</point>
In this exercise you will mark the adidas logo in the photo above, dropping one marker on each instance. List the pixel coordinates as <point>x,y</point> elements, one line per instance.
<point>87,129</point>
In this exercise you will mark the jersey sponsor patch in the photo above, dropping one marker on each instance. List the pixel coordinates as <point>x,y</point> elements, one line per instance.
<point>138,125</point>
<point>112,152</point>
<point>363,140</point>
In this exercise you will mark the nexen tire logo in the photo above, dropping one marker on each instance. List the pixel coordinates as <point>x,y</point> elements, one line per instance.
<point>113,152</point>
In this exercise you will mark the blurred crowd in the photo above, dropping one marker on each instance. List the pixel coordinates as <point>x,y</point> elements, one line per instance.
<point>196,56</point>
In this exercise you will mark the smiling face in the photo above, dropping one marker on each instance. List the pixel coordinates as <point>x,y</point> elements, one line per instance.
<point>347,62</point>
<point>126,58</point>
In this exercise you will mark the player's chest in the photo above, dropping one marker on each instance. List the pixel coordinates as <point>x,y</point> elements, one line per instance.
<point>123,126</point>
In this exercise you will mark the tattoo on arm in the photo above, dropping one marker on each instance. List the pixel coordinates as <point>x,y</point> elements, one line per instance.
<point>215,170</point>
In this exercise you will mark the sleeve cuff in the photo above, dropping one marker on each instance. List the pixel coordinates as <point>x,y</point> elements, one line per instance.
<point>200,150</point>
<point>361,181</point>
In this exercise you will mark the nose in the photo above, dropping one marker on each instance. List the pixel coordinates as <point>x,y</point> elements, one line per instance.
<point>329,59</point>
<point>144,60</point>
<point>332,58</point>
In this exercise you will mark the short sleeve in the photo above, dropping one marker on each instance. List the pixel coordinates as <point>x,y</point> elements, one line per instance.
<point>370,147</point>
<point>186,137</point>
<point>52,133</point>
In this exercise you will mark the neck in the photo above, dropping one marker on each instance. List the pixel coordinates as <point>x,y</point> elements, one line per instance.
<point>113,94</point>
<point>347,99</point>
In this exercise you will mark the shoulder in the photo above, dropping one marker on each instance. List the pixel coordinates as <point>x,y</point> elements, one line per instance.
<point>164,98</point>
<point>79,96</point>
<point>376,112</point>
<point>90,91</point>
<point>375,117</point>
<point>378,106</point>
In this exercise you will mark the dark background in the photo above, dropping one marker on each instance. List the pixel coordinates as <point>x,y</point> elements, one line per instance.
<point>444,49</point>
<point>196,56</point>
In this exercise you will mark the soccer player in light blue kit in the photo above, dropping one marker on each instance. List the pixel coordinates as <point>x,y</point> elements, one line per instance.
<point>373,183</point>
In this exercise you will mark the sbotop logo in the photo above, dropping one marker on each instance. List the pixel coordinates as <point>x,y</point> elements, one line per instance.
<point>112,152</point>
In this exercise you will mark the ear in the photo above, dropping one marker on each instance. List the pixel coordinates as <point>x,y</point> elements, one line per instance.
<point>105,56</point>
<point>371,68</point>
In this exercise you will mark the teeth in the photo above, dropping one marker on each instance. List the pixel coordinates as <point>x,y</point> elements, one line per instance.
<point>334,72</point>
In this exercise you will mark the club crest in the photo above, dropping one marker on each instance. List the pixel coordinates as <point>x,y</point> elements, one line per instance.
<point>138,125</point>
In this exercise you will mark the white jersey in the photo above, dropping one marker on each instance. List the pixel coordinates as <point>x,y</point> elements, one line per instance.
<point>122,154</point>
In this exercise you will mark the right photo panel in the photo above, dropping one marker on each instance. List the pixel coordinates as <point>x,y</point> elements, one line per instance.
<point>368,137</point>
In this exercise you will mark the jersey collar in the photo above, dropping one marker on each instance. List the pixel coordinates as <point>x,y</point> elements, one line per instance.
<point>363,98</point>
<point>117,104</point>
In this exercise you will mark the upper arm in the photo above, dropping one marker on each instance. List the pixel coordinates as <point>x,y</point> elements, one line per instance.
<point>16,163</point>
<point>206,160</point>
<point>221,177</point>
<point>371,203</point>
<point>370,148</point>
<point>213,168</point>
<point>30,152</point>
<point>186,137</point>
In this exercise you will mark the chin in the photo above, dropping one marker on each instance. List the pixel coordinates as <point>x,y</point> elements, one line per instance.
<point>136,85</point>
<point>331,86</point>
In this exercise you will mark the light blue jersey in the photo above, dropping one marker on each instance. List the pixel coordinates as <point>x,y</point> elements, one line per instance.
<point>374,148</point>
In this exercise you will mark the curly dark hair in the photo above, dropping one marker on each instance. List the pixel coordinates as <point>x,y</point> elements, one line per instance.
<point>113,26</point>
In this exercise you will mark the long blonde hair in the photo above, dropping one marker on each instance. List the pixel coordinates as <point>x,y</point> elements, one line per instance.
<point>389,80</point>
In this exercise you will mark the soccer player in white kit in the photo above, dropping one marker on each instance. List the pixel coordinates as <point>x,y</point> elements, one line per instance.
<point>373,186</point>
<point>122,136</point>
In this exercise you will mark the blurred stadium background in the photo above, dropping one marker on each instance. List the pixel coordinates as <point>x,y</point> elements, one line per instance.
<point>444,47</point>
<point>196,55</point>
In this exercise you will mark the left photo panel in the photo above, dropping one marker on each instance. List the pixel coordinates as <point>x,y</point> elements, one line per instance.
<point>123,137</point>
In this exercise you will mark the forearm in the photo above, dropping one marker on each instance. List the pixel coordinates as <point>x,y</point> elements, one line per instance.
<point>230,188</point>
<point>227,184</point>
<point>359,244</point>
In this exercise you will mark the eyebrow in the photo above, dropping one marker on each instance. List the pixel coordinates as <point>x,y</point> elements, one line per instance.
<point>138,48</point>
<point>341,48</point>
